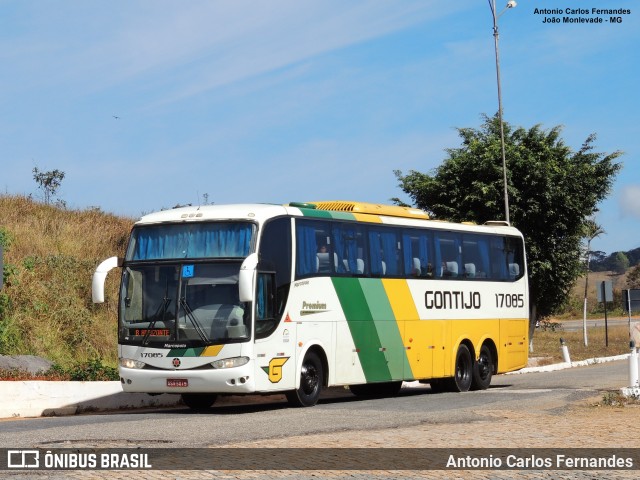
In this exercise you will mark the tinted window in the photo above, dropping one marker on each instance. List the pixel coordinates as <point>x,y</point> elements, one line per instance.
<point>343,248</point>
<point>190,240</point>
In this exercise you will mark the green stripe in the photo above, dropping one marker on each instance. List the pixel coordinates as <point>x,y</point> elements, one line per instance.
<point>363,329</point>
<point>185,352</point>
<point>308,212</point>
<point>387,327</point>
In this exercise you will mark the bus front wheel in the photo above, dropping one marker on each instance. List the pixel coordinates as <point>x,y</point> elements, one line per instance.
<point>311,380</point>
<point>198,401</point>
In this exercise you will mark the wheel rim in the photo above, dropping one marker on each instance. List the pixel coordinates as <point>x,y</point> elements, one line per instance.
<point>462,373</point>
<point>309,378</point>
<point>484,365</point>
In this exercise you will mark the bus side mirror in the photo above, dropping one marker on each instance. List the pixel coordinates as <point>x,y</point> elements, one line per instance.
<point>246,278</point>
<point>99,277</point>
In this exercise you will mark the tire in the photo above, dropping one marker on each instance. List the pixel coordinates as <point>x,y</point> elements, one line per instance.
<point>376,390</point>
<point>311,381</point>
<point>199,401</point>
<point>483,369</point>
<point>461,381</point>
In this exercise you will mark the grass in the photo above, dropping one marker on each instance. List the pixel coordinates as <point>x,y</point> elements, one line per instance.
<point>546,344</point>
<point>617,399</point>
<point>93,370</point>
<point>49,257</point>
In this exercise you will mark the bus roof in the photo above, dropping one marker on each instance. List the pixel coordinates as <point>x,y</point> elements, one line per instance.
<point>339,210</point>
<point>256,212</point>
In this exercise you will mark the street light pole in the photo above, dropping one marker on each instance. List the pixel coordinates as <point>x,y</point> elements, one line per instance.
<point>492,4</point>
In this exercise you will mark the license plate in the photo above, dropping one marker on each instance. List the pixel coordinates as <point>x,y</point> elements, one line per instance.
<point>177,382</point>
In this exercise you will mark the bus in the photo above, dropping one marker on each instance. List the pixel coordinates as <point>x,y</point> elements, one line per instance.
<point>256,298</point>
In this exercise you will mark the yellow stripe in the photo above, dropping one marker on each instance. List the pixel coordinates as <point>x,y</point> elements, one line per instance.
<point>212,351</point>
<point>414,332</point>
<point>365,217</point>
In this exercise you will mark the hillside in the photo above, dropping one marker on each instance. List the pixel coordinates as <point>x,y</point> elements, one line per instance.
<point>575,307</point>
<point>49,257</point>
<point>602,262</point>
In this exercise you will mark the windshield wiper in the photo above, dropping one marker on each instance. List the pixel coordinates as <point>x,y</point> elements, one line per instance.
<point>191,316</point>
<point>162,310</point>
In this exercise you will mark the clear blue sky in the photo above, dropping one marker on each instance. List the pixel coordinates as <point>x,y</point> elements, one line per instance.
<point>293,100</point>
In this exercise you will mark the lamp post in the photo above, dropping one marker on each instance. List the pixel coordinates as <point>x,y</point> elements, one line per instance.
<point>492,5</point>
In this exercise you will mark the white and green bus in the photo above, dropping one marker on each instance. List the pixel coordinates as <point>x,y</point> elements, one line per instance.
<point>251,298</point>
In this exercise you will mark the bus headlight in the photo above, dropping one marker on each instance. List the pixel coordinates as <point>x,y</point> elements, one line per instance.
<point>131,363</point>
<point>230,362</point>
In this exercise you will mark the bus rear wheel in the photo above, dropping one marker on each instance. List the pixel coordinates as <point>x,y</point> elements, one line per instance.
<point>199,401</point>
<point>483,370</point>
<point>461,382</point>
<point>311,380</point>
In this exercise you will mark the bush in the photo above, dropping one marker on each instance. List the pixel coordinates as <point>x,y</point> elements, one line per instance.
<point>93,370</point>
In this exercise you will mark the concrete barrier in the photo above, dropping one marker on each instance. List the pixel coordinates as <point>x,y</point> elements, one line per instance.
<point>42,398</point>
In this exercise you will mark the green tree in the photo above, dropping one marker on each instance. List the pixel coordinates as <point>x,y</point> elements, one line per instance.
<point>552,191</point>
<point>620,263</point>
<point>48,182</point>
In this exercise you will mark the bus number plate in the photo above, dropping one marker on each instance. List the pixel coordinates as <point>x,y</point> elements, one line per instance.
<point>177,382</point>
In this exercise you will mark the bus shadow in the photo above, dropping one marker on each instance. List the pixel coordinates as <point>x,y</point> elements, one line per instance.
<point>268,403</point>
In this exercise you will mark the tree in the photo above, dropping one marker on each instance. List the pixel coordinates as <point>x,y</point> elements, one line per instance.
<point>620,263</point>
<point>552,191</point>
<point>48,182</point>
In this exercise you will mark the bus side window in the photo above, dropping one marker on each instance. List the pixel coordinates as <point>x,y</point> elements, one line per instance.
<point>515,257</point>
<point>313,248</point>
<point>475,255</point>
<point>507,258</point>
<point>417,251</point>
<point>384,252</point>
<point>265,303</point>
<point>348,244</point>
<point>448,254</point>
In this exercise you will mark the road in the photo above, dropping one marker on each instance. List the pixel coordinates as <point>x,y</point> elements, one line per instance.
<point>577,325</point>
<point>338,411</point>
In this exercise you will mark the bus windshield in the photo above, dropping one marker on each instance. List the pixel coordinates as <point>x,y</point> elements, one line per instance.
<point>195,304</point>
<point>180,284</point>
<point>190,240</point>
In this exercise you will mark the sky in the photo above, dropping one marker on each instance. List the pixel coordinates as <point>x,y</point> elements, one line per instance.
<point>146,104</point>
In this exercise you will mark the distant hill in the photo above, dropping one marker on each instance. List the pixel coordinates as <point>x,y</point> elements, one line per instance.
<point>601,262</point>
<point>50,254</point>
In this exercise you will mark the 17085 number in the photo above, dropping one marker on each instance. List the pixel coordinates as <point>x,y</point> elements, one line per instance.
<point>509,300</point>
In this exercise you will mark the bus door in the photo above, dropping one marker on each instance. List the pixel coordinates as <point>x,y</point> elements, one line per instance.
<point>275,341</point>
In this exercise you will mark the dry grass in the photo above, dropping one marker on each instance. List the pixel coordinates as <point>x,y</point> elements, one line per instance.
<point>45,306</point>
<point>575,304</point>
<point>546,344</point>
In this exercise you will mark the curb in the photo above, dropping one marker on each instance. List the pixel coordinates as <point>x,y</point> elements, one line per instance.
<point>564,365</point>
